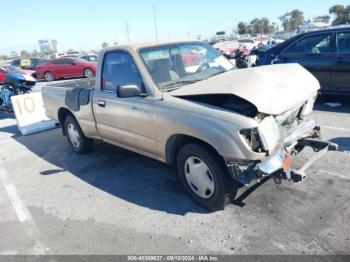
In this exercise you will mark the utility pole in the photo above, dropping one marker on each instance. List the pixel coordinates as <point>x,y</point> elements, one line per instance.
<point>155,22</point>
<point>127,32</point>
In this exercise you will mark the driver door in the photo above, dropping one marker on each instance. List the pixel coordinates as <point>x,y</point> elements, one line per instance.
<point>123,121</point>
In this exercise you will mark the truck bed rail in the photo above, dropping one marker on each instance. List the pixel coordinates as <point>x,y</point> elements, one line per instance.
<point>80,83</point>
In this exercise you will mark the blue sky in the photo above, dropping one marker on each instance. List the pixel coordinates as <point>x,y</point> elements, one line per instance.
<point>86,24</point>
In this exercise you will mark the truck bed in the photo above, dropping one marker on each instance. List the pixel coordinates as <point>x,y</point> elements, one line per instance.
<point>70,94</point>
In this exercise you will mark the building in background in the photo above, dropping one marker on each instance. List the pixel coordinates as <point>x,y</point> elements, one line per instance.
<point>48,46</point>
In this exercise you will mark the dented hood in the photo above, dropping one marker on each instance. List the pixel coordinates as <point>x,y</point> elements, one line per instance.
<point>273,89</point>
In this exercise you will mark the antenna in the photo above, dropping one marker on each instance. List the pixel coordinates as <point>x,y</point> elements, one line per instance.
<point>127,32</point>
<point>155,22</point>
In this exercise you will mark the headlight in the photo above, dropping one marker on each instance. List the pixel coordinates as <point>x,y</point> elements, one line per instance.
<point>308,107</point>
<point>269,133</point>
<point>264,138</point>
<point>251,136</point>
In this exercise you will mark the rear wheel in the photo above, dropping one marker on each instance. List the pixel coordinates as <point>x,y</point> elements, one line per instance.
<point>204,177</point>
<point>76,138</point>
<point>88,72</point>
<point>49,76</point>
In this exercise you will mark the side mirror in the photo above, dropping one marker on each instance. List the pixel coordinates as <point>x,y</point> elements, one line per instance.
<point>125,91</point>
<point>73,63</point>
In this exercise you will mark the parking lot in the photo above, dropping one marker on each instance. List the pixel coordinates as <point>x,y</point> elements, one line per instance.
<point>113,201</point>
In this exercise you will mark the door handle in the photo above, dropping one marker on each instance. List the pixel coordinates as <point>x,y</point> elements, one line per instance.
<point>101,103</point>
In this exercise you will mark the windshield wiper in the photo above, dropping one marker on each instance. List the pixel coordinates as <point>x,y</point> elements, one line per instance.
<point>175,84</point>
<point>215,74</point>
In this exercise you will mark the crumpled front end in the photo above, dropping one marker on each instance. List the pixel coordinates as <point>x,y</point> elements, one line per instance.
<point>280,138</point>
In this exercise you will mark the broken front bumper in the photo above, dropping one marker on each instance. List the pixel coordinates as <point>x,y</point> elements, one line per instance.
<point>280,162</point>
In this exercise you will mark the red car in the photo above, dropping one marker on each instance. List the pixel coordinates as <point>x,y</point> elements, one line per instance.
<point>3,72</point>
<point>65,68</point>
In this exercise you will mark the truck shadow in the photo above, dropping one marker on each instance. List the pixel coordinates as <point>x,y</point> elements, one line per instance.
<point>8,125</point>
<point>12,130</point>
<point>121,173</point>
<point>5,115</point>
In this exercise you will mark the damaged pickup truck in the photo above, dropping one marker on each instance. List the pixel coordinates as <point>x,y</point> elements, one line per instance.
<point>220,127</point>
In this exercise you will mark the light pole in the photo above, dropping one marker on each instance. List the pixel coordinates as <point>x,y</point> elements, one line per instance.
<point>155,22</point>
<point>127,32</point>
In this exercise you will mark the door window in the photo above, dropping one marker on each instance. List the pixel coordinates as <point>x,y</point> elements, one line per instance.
<point>66,61</point>
<point>62,62</point>
<point>119,69</point>
<point>317,44</point>
<point>343,43</point>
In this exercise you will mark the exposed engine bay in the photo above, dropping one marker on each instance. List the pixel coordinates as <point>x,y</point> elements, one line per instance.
<point>226,101</point>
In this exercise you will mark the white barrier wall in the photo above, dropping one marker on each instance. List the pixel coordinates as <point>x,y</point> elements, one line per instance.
<point>30,113</point>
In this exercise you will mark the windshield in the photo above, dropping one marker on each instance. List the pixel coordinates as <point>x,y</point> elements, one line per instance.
<point>176,65</point>
<point>13,69</point>
<point>80,60</point>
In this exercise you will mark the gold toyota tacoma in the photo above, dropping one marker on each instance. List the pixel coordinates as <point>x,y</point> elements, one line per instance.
<point>184,104</point>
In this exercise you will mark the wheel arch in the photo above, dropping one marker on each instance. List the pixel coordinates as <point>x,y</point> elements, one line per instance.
<point>62,114</point>
<point>177,141</point>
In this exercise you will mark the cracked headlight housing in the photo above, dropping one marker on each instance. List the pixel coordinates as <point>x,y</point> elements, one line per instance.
<point>252,138</point>
<point>264,138</point>
<point>269,133</point>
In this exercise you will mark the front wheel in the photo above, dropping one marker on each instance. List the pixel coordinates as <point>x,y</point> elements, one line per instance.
<point>76,138</point>
<point>49,76</point>
<point>88,72</point>
<point>204,177</point>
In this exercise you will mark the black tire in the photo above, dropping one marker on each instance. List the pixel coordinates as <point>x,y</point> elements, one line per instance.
<point>48,76</point>
<point>85,144</point>
<point>88,72</point>
<point>225,188</point>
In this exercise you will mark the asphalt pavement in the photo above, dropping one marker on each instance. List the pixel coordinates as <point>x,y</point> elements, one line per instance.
<point>113,201</point>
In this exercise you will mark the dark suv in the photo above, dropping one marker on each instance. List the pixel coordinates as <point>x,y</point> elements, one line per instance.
<point>29,63</point>
<point>325,53</point>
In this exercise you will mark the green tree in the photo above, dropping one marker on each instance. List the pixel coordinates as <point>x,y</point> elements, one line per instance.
<point>341,14</point>
<point>35,53</point>
<point>4,57</point>
<point>273,28</point>
<point>292,20</point>
<point>259,25</point>
<point>25,54</point>
<point>242,28</point>
<point>104,45</point>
